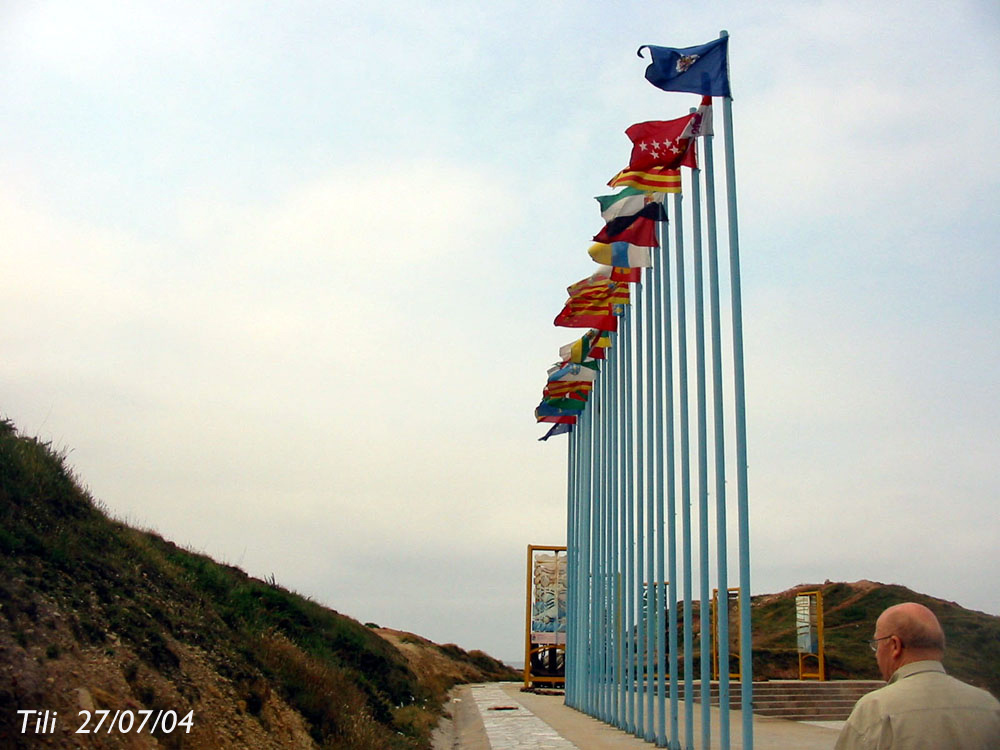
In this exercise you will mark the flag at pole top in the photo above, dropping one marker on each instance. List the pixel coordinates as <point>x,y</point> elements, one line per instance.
<point>703,69</point>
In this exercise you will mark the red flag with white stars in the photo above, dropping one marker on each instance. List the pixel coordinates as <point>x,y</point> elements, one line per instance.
<point>669,143</point>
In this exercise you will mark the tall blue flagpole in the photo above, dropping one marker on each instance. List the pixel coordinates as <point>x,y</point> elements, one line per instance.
<point>575,647</point>
<point>587,614</point>
<point>630,526</point>
<point>602,577</point>
<point>572,524</point>
<point>666,527</point>
<point>585,579</point>
<point>606,516</point>
<point>739,398</point>
<point>639,728</point>
<point>602,610</point>
<point>701,417</point>
<point>623,458</point>
<point>722,611</point>
<point>652,444</point>
<point>613,668</point>
<point>595,551</point>
<point>685,484</point>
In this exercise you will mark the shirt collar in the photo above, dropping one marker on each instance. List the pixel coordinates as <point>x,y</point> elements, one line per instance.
<point>916,667</point>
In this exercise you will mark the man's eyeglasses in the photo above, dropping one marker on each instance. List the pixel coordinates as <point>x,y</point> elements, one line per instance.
<point>873,643</point>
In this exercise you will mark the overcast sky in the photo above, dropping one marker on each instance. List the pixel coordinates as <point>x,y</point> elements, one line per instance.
<point>280,278</point>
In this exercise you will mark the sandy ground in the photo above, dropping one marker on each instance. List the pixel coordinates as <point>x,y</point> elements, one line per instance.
<point>462,729</point>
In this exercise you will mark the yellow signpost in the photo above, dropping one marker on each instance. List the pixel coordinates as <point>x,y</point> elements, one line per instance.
<point>733,606</point>
<point>809,635</point>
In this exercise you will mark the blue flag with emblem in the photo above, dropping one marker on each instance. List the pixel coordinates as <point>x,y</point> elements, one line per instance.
<point>700,70</point>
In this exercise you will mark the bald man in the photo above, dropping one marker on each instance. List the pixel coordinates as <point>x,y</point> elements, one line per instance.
<point>921,707</point>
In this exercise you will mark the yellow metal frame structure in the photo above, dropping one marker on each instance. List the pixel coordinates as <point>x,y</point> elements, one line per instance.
<point>530,648</point>
<point>820,673</point>
<point>734,599</point>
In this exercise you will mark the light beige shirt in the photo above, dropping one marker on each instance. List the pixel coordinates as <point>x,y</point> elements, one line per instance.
<point>922,707</point>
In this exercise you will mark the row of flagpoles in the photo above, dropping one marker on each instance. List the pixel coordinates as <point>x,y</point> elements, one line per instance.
<point>622,393</point>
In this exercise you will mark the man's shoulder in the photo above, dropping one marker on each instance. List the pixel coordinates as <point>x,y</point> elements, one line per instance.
<point>915,686</point>
<point>924,703</point>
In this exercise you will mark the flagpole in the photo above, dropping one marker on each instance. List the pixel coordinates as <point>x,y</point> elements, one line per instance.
<point>609,536</point>
<point>640,485</point>
<point>746,642</point>
<point>595,543</point>
<point>703,521</point>
<point>654,453</point>
<point>573,626</point>
<point>588,616</point>
<point>572,523</point>
<point>618,525</point>
<point>602,494</point>
<point>685,466</point>
<point>602,548</point>
<point>722,610</point>
<point>623,457</point>
<point>630,528</point>
<point>586,593</point>
<point>666,524</point>
<point>612,463</point>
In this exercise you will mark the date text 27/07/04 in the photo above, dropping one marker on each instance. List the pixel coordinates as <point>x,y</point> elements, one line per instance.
<point>92,722</point>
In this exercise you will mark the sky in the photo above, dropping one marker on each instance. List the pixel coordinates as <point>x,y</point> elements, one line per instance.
<point>279,279</point>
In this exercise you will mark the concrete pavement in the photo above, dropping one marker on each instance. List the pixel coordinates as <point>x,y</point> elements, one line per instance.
<point>498,716</point>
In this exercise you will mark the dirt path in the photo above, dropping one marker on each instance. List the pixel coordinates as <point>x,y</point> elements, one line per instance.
<point>464,729</point>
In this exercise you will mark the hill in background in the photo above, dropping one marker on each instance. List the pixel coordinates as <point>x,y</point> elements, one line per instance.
<point>850,611</point>
<point>97,615</point>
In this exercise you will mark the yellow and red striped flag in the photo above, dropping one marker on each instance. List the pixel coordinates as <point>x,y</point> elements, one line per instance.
<point>653,180</point>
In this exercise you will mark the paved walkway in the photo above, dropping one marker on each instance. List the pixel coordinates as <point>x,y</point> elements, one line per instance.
<point>498,716</point>
<point>511,726</point>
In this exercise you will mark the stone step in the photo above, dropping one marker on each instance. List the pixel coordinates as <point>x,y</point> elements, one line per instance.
<point>797,700</point>
<point>805,713</point>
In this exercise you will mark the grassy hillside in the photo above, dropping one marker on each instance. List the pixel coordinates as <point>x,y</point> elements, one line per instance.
<point>95,614</point>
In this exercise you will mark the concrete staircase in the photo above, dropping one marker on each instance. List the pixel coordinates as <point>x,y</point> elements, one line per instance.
<point>798,699</point>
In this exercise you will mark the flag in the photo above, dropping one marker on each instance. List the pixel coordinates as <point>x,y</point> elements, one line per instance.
<point>546,413</point>
<point>589,346</point>
<point>578,350</point>
<point>578,389</point>
<point>575,371</point>
<point>604,318</point>
<point>621,210</point>
<point>560,419</point>
<point>653,180</point>
<point>702,122</point>
<point>627,202</point>
<point>701,70</point>
<point>627,275</point>
<point>619,295</point>
<point>595,280</point>
<point>556,429</point>
<point>591,301</point>
<point>624,225</point>
<point>662,143</point>
<point>566,404</point>
<point>621,255</point>
<point>641,231</point>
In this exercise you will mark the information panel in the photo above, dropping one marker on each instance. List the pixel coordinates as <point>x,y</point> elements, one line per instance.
<point>545,638</point>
